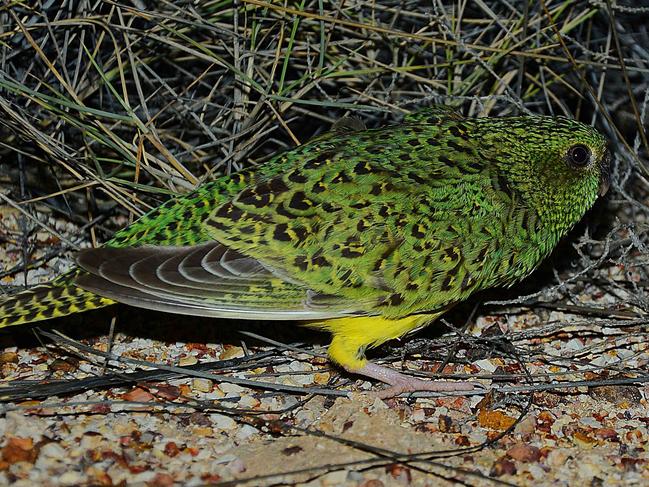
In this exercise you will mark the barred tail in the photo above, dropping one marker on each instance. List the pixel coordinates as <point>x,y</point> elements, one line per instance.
<point>58,298</point>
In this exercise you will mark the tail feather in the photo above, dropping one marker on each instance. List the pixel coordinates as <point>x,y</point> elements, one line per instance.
<point>58,298</point>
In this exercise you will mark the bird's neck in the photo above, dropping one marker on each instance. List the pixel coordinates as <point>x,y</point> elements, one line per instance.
<point>560,210</point>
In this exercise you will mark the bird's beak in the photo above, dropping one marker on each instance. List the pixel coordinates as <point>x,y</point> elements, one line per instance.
<point>605,173</point>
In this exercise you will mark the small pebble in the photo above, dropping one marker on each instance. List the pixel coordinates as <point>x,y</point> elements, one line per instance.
<point>222,422</point>
<point>188,360</point>
<point>231,389</point>
<point>524,453</point>
<point>202,385</point>
<point>70,478</point>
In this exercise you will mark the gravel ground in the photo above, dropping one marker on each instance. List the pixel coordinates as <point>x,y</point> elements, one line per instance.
<point>560,406</point>
<point>109,107</point>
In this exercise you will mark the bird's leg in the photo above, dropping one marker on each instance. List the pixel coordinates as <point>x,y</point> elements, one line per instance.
<point>400,383</point>
<point>352,336</point>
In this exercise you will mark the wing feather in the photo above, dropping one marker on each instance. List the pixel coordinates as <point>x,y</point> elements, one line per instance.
<point>203,280</point>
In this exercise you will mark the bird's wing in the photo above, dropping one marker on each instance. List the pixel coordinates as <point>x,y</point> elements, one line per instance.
<point>202,280</point>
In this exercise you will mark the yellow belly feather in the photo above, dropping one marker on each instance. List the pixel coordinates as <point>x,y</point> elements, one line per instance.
<point>353,335</point>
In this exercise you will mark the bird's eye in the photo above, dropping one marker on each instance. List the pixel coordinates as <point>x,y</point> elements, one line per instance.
<point>578,155</point>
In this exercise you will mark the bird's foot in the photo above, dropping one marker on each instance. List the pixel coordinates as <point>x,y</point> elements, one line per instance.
<point>400,383</point>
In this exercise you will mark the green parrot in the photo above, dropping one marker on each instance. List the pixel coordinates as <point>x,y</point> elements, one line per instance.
<point>369,234</point>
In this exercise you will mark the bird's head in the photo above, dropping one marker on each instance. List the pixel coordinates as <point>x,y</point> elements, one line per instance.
<point>557,165</point>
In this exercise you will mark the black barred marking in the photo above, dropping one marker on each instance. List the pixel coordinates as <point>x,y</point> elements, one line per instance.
<point>384,210</point>
<point>299,201</point>
<point>297,177</point>
<point>301,263</point>
<point>416,178</point>
<point>458,147</point>
<point>280,233</point>
<point>432,141</point>
<point>341,177</point>
<point>374,149</point>
<point>188,215</point>
<point>328,207</point>
<point>405,157</point>
<point>281,210</point>
<point>260,196</point>
<point>137,235</point>
<point>65,308</point>
<point>235,213</point>
<point>475,165</point>
<point>320,261</point>
<point>393,300</point>
<point>412,286</point>
<point>386,253</point>
<point>418,231</point>
<point>350,248</point>
<point>416,129</point>
<point>414,142</point>
<point>432,244</point>
<point>458,131</point>
<point>346,275</point>
<point>444,159</point>
<point>350,253</point>
<point>362,225</point>
<point>446,284</point>
<point>259,200</point>
<point>481,255</point>
<point>300,233</point>
<point>452,253</point>
<point>31,316</point>
<point>57,292</point>
<point>247,193</point>
<point>352,240</point>
<point>502,183</point>
<point>361,204</point>
<point>319,187</point>
<point>319,161</point>
<point>363,168</point>
<point>257,218</point>
<point>218,225</point>
<point>223,211</point>
<point>277,186</point>
<point>47,312</point>
<point>467,282</point>
<point>376,189</point>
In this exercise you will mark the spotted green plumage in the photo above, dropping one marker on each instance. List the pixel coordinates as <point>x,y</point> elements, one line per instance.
<point>391,222</point>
